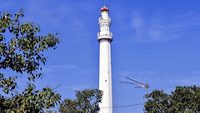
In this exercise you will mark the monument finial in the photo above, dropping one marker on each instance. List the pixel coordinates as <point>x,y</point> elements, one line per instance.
<point>104,8</point>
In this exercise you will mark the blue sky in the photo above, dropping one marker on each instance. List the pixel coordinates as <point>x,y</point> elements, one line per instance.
<point>155,41</point>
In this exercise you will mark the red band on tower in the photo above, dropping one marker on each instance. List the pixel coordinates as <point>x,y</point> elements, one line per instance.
<point>104,9</point>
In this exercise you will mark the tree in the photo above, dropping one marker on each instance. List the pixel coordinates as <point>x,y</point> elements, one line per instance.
<point>86,102</point>
<point>22,52</point>
<point>183,100</point>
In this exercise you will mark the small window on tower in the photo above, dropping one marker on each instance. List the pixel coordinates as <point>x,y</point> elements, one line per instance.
<point>105,80</point>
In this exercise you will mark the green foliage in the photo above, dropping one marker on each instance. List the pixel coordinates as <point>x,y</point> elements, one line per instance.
<point>7,84</point>
<point>86,102</point>
<point>22,51</point>
<point>182,100</point>
<point>30,100</point>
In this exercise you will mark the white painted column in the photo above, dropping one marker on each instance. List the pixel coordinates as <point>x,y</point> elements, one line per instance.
<point>105,74</point>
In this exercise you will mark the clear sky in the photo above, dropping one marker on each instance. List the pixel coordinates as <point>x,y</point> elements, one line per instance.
<point>155,41</point>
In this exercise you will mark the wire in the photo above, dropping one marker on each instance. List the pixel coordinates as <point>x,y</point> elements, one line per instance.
<point>57,86</point>
<point>123,106</point>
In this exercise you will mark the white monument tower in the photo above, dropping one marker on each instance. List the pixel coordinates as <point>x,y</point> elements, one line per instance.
<point>105,75</point>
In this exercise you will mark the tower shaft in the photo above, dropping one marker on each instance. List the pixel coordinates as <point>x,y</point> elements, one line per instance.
<point>105,74</point>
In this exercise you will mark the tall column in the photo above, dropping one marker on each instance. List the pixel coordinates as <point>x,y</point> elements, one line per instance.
<point>105,74</point>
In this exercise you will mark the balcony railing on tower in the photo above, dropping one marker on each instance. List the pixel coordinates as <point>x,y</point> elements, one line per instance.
<point>105,36</point>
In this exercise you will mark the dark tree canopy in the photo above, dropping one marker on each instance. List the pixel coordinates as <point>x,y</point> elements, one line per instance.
<point>86,102</point>
<point>183,100</point>
<point>22,52</point>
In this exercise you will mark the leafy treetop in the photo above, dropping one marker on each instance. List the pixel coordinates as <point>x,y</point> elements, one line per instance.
<point>86,102</point>
<point>22,51</point>
<point>185,99</point>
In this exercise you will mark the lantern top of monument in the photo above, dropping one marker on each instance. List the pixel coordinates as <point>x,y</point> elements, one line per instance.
<point>104,8</point>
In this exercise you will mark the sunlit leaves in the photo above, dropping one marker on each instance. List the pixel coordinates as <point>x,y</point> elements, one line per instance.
<point>86,102</point>
<point>183,99</point>
<point>30,100</point>
<point>22,51</point>
<point>7,84</point>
